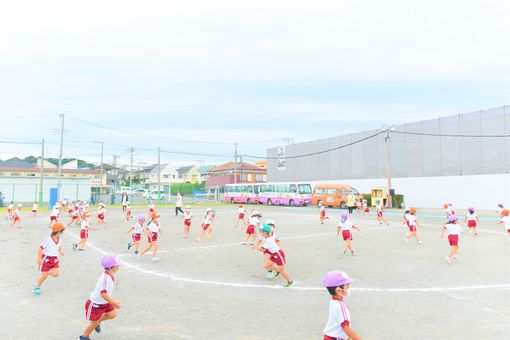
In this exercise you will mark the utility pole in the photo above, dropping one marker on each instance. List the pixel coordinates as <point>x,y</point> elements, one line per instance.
<point>241,168</point>
<point>101,171</point>
<point>59,171</point>
<point>115,172</point>
<point>235,163</point>
<point>41,180</point>
<point>387,139</point>
<point>131,149</point>
<point>159,175</point>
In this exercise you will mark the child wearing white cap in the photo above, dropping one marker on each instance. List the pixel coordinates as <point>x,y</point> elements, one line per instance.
<point>253,224</point>
<point>16,216</point>
<point>187,221</point>
<point>338,327</point>
<point>207,224</point>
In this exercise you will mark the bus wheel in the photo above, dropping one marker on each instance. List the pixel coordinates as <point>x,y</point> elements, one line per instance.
<point>232,200</point>
<point>291,203</point>
<point>343,205</point>
<point>269,202</point>
<point>319,204</point>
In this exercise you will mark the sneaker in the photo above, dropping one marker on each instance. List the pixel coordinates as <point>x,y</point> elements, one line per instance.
<point>75,246</point>
<point>276,274</point>
<point>243,243</point>
<point>406,239</point>
<point>129,245</point>
<point>455,257</point>
<point>154,259</point>
<point>269,274</point>
<point>420,242</point>
<point>448,260</point>
<point>136,252</point>
<point>83,337</point>
<point>288,284</point>
<point>98,328</point>
<point>81,249</point>
<point>37,290</point>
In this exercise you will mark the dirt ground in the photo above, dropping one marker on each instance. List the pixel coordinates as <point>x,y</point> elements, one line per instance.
<point>218,289</point>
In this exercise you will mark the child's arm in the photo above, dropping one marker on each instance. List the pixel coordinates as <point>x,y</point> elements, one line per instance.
<point>351,333</point>
<point>112,302</point>
<point>442,232</point>
<point>39,255</point>
<point>130,230</point>
<point>354,227</point>
<point>61,251</point>
<point>338,231</point>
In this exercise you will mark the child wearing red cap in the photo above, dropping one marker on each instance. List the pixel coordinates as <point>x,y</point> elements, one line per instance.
<point>100,306</point>
<point>412,223</point>
<point>322,213</point>
<point>338,327</point>
<point>454,230</point>
<point>152,230</point>
<point>47,256</point>
<point>240,216</point>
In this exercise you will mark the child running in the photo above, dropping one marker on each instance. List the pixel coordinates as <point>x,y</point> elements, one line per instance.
<point>127,211</point>
<point>505,219</point>
<point>187,221</point>
<point>152,230</point>
<point>346,227</point>
<point>253,224</point>
<point>322,214</point>
<point>366,209</point>
<point>471,219</point>
<point>70,209</point>
<point>499,211</point>
<point>84,232</point>
<point>16,216</point>
<point>380,217</point>
<point>101,212</point>
<point>412,223</point>
<point>266,252</point>
<point>35,207</point>
<point>100,306</point>
<point>75,216</point>
<point>276,260</point>
<point>240,216</point>
<point>54,215</point>
<point>137,234</point>
<point>47,256</point>
<point>452,227</point>
<point>207,224</point>
<point>338,327</point>
<point>10,210</point>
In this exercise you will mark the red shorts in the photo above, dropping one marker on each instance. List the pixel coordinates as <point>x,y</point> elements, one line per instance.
<point>9,211</point>
<point>250,230</point>
<point>70,211</point>
<point>34,211</point>
<point>278,258</point>
<point>241,216</point>
<point>412,228</point>
<point>94,312</point>
<point>16,218</point>
<point>48,263</point>
<point>367,210</point>
<point>265,251</point>
<point>75,218</point>
<point>187,223</point>
<point>472,223</point>
<point>152,237</point>
<point>346,234</point>
<point>136,237</point>
<point>205,226</point>
<point>327,337</point>
<point>53,218</point>
<point>323,213</point>
<point>453,239</point>
<point>84,233</point>
<point>151,210</point>
<point>379,214</point>
<point>128,213</point>
<point>100,216</point>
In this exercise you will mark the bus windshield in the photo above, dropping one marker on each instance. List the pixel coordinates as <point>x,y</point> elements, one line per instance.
<point>304,189</point>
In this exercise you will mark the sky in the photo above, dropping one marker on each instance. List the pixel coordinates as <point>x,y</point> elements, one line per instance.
<point>198,76</point>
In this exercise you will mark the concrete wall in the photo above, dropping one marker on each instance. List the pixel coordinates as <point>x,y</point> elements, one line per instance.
<point>481,191</point>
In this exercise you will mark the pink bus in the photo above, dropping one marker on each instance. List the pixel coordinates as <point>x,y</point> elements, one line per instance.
<point>241,193</point>
<point>285,193</point>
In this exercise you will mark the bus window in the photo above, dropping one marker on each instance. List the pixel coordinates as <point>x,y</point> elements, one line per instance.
<point>293,189</point>
<point>332,191</point>
<point>249,189</point>
<point>305,189</point>
<point>256,189</point>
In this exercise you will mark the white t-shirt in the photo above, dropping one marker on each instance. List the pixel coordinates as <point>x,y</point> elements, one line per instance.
<point>241,210</point>
<point>453,228</point>
<point>253,220</point>
<point>178,201</point>
<point>188,214</point>
<point>104,284</point>
<point>347,225</point>
<point>208,219</point>
<point>379,208</point>
<point>154,227</point>
<point>11,206</point>
<point>138,228</point>
<point>506,221</point>
<point>471,217</point>
<point>339,316</point>
<point>35,206</point>
<point>269,243</point>
<point>411,219</point>
<point>84,224</point>
<point>50,247</point>
<point>55,212</point>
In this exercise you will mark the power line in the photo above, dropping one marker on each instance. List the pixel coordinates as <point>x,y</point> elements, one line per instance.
<point>449,135</point>
<point>323,151</point>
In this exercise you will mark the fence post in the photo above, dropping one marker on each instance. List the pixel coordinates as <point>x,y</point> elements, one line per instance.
<point>13,188</point>
<point>77,191</point>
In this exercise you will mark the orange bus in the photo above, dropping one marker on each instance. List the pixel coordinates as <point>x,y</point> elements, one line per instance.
<point>333,195</point>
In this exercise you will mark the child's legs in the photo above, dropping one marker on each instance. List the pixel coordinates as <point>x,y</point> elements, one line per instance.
<point>90,327</point>
<point>137,244</point>
<point>42,278</point>
<point>282,271</point>
<point>147,249</point>
<point>82,242</point>
<point>55,272</point>
<point>108,316</point>
<point>155,248</point>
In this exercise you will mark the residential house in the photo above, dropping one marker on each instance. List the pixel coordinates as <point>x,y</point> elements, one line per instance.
<point>189,174</point>
<point>240,172</point>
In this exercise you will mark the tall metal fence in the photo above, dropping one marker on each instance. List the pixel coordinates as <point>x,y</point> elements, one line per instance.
<point>475,143</point>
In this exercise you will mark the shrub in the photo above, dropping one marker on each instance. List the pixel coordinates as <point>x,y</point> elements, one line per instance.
<point>398,201</point>
<point>368,197</point>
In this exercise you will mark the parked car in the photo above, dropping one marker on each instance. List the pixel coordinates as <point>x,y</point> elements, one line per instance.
<point>122,190</point>
<point>153,195</point>
<point>140,193</point>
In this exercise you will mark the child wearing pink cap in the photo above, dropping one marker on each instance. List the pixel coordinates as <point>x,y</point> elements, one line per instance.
<point>100,306</point>
<point>471,219</point>
<point>454,230</point>
<point>346,227</point>
<point>338,327</point>
<point>137,233</point>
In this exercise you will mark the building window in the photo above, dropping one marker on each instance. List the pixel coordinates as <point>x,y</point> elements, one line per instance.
<point>264,178</point>
<point>249,177</point>
<point>165,176</point>
<point>14,174</point>
<point>258,178</point>
<point>31,175</point>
